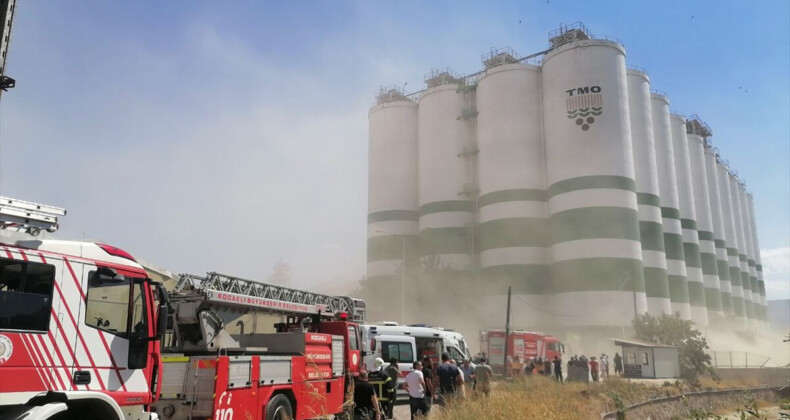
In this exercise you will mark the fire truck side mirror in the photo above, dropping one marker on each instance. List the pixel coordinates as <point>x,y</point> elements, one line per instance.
<point>161,322</point>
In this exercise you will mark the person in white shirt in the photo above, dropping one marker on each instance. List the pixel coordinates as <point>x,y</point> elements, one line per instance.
<point>415,386</point>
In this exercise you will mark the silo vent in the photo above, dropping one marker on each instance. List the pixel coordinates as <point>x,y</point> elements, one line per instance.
<point>695,125</point>
<point>444,76</point>
<point>498,57</point>
<point>569,33</point>
<point>391,94</point>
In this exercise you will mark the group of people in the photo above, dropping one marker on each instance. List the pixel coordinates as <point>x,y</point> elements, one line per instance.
<point>375,392</point>
<point>597,368</point>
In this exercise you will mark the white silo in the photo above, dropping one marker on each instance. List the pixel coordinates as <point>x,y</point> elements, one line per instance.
<point>393,209</point>
<point>719,234</point>
<point>445,144</point>
<point>688,221</point>
<point>696,130</point>
<point>651,229</point>
<point>596,255</point>
<point>728,213</point>
<point>513,228</point>
<point>670,207</point>
<point>758,261</point>
<point>747,239</point>
<point>737,217</point>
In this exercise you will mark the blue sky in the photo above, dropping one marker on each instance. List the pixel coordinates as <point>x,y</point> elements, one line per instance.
<point>207,135</point>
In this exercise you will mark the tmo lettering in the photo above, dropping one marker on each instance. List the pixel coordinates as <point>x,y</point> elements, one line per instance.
<point>583,90</point>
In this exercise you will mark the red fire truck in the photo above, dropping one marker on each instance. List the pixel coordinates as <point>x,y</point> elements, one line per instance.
<point>80,336</point>
<point>521,344</point>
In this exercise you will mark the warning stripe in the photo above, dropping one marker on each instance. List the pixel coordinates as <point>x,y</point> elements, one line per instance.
<point>51,361</point>
<point>46,367</point>
<point>98,332</point>
<point>59,354</point>
<point>34,359</point>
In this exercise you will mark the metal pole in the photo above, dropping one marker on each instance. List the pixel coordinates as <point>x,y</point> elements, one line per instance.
<point>402,279</point>
<point>507,334</point>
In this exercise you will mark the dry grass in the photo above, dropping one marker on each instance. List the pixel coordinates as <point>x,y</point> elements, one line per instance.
<point>543,398</point>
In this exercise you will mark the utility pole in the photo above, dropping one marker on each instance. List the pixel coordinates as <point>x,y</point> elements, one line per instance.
<point>507,333</point>
<point>402,279</point>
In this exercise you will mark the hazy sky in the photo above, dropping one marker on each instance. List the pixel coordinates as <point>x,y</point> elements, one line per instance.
<point>224,136</point>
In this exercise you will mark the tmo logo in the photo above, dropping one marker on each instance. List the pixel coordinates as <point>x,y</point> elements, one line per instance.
<point>583,90</point>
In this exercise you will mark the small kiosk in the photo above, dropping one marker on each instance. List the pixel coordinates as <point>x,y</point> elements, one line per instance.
<point>642,359</point>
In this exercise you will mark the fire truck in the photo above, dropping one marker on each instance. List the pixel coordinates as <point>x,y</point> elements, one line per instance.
<point>86,334</point>
<point>521,344</point>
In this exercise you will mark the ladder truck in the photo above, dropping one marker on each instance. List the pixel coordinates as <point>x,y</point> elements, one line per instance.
<point>79,324</point>
<point>303,370</point>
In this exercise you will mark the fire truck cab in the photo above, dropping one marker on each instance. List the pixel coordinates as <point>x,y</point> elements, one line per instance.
<point>78,324</point>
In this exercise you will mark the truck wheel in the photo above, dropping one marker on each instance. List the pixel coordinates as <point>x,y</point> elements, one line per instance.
<point>279,408</point>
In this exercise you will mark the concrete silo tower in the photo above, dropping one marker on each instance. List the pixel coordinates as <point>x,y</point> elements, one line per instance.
<point>596,254</point>
<point>393,210</point>
<point>737,216</point>
<point>446,182</point>
<point>758,261</point>
<point>688,221</point>
<point>719,235</point>
<point>670,206</point>
<point>697,131</point>
<point>747,251</point>
<point>513,228</point>
<point>728,214</point>
<point>651,229</point>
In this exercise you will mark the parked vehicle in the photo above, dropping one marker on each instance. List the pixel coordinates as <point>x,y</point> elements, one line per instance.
<point>523,344</point>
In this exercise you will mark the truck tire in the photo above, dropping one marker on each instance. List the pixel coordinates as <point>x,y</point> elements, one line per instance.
<point>279,408</point>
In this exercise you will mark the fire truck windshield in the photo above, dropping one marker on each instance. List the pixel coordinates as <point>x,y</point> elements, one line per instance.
<point>25,295</point>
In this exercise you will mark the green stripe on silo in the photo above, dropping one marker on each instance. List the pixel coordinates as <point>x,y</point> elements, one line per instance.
<point>597,274</point>
<point>390,215</point>
<point>759,267</point>
<point>713,299</point>
<point>648,199</point>
<point>761,286</point>
<point>723,269</point>
<point>732,252</point>
<point>449,240</point>
<point>670,213</point>
<point>594,223</point>
<point>678,289</point>
<point>592,182</point>
<point>720,244</point>
<point>749,308</point>
<point>688,224</point>
<point>738,307</point>
<point>673,246</point>
<point>750,262</point>
<point>524,278</point>
<point>726,303</point>
<point>516,231</point>
<point>696,293</point>
<point>735,276</point>
<point>742,257</point>
<point>445,206</point>
<point>691,250</point>
<point>705,236</point>
<point>652,235</point>
<point>518,194</point>
<point>656,282</point>
<point>390,247</point>
<point>709,264</point>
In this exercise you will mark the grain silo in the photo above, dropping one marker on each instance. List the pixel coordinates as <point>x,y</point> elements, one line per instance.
<point>651,230</point>
<point>670,207</point>
<point>719,234</point>
<point>688,221</point>
<point>596,255</point>
<point>445,141</point>
<point>728,213</point>
<point>737,217</point>
<point>393,210</point>
<point>513,228</point>
<point>697,131</point>
<point>751,273</point>
<point>757,261</point>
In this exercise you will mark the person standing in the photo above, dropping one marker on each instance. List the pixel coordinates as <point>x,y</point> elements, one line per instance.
<point>468,369</point>
<point>366,405</point>
<point>594,368</point>
<point>415,386</point>
<point>618,364</point>
<point>448,379</point>
<point>557,369</point>
<point>483,375</point>
<point>428,376</point>
<point>381,382</point>
<point>394,373</point>
<point>604,365</point>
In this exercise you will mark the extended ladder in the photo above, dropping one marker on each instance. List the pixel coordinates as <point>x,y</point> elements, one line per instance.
<point>235,291</point>
<point>28,216</point>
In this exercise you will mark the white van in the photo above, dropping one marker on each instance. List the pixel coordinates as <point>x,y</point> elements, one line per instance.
<point>409,343</point>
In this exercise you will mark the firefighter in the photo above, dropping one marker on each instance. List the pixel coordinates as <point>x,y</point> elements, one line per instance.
<point>382,383</point>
